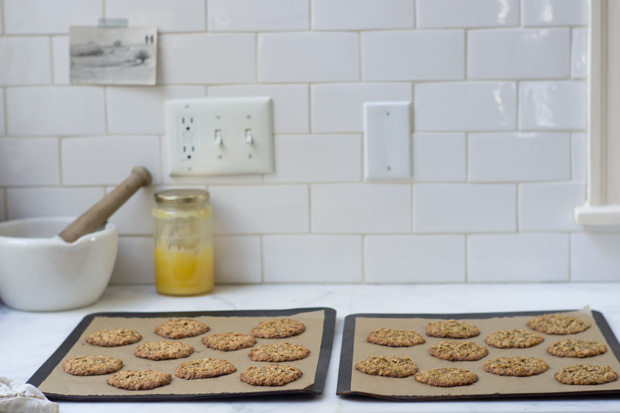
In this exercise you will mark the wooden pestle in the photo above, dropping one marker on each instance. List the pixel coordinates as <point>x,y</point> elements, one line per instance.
<point>99,213</point>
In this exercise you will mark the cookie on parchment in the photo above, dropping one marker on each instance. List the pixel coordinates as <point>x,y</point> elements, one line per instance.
<point>113,337</point>
<point>270,375</point>
<point>204,369</point>
<point>458,351</point>
<point>139,379</point>
<point>277,352</point>
<point>586,374</point>
<point>452,329</point>
<point>516,366</point>
<point>446,377</point>
<point>163,350</point>
<point>387,366</point>
<point>577,348</point>
<point>395,338</point>
<point>559,323</point>
<point>181,328</point>
<point>517,338</point>
<point>228,341</point>
<point>91,365</point>
<point>279,328</point>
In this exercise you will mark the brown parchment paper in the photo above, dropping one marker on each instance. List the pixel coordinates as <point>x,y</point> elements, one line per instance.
<point>487,383</point>
<point>60,383</point>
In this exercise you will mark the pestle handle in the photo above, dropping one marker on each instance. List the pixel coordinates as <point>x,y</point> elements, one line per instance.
<point>99,213</point>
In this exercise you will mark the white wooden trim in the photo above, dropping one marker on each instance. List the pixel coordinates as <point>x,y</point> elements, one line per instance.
<point>603,199</point>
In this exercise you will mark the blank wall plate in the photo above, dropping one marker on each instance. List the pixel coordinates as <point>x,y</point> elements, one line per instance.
<point>387,140</point>
<point>219,136</point>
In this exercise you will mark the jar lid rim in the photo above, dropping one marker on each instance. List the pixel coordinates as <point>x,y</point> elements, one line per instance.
<point>182,196</point>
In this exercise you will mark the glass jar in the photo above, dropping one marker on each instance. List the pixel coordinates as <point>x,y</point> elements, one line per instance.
<point>183,242</point>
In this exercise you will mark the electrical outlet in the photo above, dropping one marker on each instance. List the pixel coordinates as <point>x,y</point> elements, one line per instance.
<point>219,136</point>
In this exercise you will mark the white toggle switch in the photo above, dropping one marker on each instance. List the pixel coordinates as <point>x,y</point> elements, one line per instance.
<point>218,137</point>
<point>387,140</point>
<point>249,139</point>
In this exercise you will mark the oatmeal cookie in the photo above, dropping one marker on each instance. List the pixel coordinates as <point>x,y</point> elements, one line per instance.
<point>586,374</point>
<point>277,352</point>
<point>452,329</point>
<point>114,337</point>
<point>279,328</point>
<point>270,375</point>
<point>139,379</point>
<point>518,338</point>
<point>181,328</point>
<point>387,366</point>
<point>204,368</point>
<point>395,338</point>
<point>228,341</point>
<point>559,323</point>
<point>91,365</point>
<point>458,351</point>
<point>163,350</point>
<point>446,377</point>
<point>516,366</point>
<point>577,348</point>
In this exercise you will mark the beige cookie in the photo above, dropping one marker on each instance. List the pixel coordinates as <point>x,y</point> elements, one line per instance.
<point>163,350</point>
<point>458,351</point>
<point>395,338</point>
<point>577,348</point>
<point>586,374</point>
<point>516,366</point>
<point>228,341</point>
<point>452,329</point>
<point>204,368</point>
<point>559,323</point>
<point>91,365</point>
<point>446,377</point>
<point>139,379</point>
<point>518,338</point>
<point>270,375</point>
<point>181,328</point>
<point>114,337</point>
<point>280,328</point>
<point>387,366</point>
<point>277,352</point>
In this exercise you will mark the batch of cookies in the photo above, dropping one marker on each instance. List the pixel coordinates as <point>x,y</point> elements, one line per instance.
<point>177,329</point>
<point>555,324</point>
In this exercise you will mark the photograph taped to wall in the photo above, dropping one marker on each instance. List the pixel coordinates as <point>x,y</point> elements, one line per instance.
<point>117,56</point>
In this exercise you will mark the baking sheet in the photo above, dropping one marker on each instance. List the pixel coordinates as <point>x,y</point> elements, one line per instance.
<point>318,337</point>
<point>355,348</point>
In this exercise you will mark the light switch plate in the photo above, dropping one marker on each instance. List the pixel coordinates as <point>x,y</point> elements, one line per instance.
<point>219,136</point>
<point>387,140</point>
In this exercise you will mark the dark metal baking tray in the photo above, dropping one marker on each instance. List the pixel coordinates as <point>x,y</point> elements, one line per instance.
<point>315,388</point>
<point>346,368</point>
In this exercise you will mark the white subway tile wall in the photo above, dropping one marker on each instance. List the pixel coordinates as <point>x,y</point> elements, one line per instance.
<point>25,61</point>
<point>312,258</point>
<point>468,13</point>
<point>251,15</point>
<point>167,15</point>
<point>518,53</point>
<point>518,257</point>
<point>501,157</point>
<point>498,92</point>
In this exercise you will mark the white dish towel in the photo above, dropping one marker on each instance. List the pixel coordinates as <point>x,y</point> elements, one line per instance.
<point>16,397</point>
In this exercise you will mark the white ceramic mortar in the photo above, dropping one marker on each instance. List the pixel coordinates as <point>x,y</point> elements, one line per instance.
<point>41,272</point>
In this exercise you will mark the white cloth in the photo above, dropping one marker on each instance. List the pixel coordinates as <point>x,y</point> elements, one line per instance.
<point>16,397</point>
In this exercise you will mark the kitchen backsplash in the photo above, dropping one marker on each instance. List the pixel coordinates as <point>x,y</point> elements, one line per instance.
<point>498,89</point>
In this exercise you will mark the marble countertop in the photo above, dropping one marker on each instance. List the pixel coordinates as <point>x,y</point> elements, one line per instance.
<point>28,339</point>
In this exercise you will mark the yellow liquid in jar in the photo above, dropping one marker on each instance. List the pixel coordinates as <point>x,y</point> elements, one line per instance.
<point>181,272</point>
